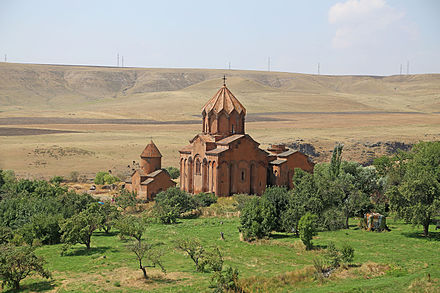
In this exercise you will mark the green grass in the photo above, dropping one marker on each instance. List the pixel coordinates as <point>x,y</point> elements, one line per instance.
<point>409,256</point>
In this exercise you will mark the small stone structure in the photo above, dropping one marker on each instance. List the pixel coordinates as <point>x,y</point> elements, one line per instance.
<point>150,178</point>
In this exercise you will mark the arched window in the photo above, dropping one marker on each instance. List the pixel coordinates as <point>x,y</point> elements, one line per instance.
<point>242,175</point>
<point>198,167</point>
<point>233,131</point>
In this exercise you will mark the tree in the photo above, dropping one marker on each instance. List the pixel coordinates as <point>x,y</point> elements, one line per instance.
<point>225,280</point>
<point>126,199</point>
<point>110,215</point>
<point>170,204</point>
<point>335,163</point>
<point>146,251</point>
<point>205,199</point>
<point>257,218</point>
<point>17,263</point>
<point>417,198</point>
<point>174,172</point>
<point>279,198</point>
<point>131,226</point>
<point>307,229</point>
<point>194,249</point>
<point>80,227</point>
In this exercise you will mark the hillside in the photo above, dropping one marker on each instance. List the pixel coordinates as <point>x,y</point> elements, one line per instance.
<point>83,90</point>
<point>58,119</point>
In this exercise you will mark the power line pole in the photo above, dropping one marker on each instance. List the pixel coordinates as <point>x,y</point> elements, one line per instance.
<point>122,61</point>
<point>6,58</point>
<point>319,65</point>
<point>268,63</point>
<point>400,68</point>
<point>229,65</point>
<point>407,67</point>
<point>117,63</point>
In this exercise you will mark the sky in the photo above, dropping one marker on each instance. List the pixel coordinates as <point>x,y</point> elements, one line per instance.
<point>362,37</point>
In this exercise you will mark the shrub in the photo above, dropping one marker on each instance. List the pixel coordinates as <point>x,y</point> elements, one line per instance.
<point>257,219</point>
<point>225,280</point>
<point>332,255</point>
<point>205,199</point>
<point>6,234</point>
<point>126,199</point>
<point>170,204</point>
<point>279,198</point>
<point>74,176</point>
<point>56,179</point>
<point>195,251</point>
<point>174,172</point>
<point>347,254</point>
<point>241,200</point>
<point>307,229</point>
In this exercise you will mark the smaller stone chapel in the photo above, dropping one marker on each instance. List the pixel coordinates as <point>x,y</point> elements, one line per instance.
<point>150,178</point>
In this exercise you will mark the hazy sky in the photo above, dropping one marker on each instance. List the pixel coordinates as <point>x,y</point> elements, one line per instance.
<point>345,37</point>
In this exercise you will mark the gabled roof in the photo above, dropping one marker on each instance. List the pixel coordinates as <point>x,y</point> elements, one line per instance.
<point>229,139</point>
<point>286,153</point>
<point>151,151</point>
<point>154,174</point>
<point>223,100</point>
<point>217,151</point>
<point>148,181</point>
<point>277,162</point>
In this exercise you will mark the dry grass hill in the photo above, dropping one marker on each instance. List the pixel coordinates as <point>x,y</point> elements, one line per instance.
<point>106,114</point>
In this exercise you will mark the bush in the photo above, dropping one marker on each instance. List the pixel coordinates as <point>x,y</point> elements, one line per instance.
<point>347,254</point>
<point>74,176</point>
<point>241,200</point>
<point>307,229</point>
<point>332,255</point>
<point>257,219</point>
<point>205,199</point>
<point>56,179</point>
<point>174,172</point>
<point>170,204</point>
<point>6,235</point>
<point>225,280</point>
<point>279,198</point>
<point>126,199</point>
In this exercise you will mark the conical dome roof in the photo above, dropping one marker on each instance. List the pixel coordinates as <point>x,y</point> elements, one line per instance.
<point>223,100</point>
<point>151,151</point>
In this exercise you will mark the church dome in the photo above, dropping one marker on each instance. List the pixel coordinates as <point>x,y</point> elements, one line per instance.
<point>151,151</point>
<point>223,100</point>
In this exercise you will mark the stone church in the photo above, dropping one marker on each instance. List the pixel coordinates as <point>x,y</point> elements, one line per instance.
<point>223,159</point>
<point>150,178</point>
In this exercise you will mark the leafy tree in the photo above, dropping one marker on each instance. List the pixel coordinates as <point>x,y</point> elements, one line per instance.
<point>336,160</point>
<point>195,251</point>
<point>126,199</point>
<point>170,204</point>
<point>74,176</point>
<point>174,172</point>
<point>45,228</point>
<point>332,255</point>
<point>110,215</point>
<point>105,178</point>
<point>417,198</point>
<point>205,199</point>
<point>307,229</point>
<point>17,263</point>
<point>144,251</point>
<point>257,218</point>
<point>279,198</point>
<point>80,227</point>
<point>131,226</point>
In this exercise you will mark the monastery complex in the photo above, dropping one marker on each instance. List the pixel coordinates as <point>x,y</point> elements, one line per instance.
<point>222,159</point>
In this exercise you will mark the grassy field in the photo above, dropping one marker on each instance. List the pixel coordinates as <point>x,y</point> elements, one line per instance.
<point>396,261</point>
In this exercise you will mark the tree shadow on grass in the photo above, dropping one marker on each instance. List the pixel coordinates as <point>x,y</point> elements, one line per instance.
<point>34,287</point>
<point>282,236</point>
<point>102,233</point>
<point>432,236</point>
<point>84,251</point>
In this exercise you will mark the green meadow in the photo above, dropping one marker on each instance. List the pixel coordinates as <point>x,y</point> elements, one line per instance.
<point>397,261</point>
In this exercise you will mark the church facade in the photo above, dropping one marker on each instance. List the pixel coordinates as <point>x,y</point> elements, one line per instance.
<point>224,160</point>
